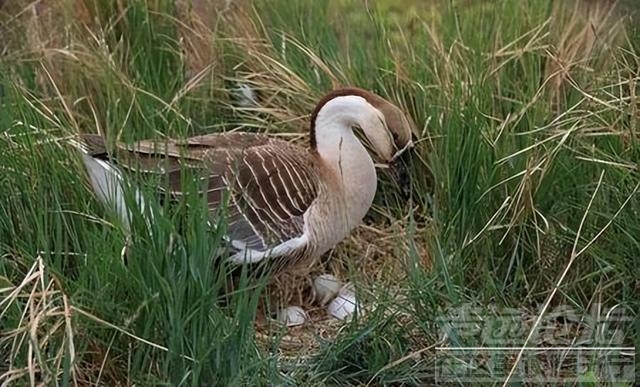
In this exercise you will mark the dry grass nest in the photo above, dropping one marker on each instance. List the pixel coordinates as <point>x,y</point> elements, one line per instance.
<point>374,257</point>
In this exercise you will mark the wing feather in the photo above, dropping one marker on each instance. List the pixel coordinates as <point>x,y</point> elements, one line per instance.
<point>270,183</point>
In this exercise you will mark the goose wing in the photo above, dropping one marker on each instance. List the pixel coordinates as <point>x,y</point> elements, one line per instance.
<point>265,185</point>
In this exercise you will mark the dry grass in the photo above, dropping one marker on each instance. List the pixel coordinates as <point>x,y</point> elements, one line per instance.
<point>579,38</point>
<point>46,333</point>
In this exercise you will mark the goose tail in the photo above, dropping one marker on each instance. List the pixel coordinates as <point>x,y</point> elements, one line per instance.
<point>105,177</point>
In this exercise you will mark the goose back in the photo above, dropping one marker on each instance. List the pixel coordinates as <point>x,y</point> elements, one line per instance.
<point>265,185</point>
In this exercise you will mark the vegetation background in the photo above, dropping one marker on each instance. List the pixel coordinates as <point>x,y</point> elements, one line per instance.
<point>525,186</point>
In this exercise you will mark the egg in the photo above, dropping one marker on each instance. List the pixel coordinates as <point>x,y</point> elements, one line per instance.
<point>345,304</point>
<point>292,316</point>
<point>326,287</point>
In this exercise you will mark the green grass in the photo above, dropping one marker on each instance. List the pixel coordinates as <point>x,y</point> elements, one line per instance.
<point>525,183</point>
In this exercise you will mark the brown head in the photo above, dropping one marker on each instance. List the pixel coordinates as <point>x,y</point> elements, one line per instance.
<point>388,144</point>
<point>400,126</point>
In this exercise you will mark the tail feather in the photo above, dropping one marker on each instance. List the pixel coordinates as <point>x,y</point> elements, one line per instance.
<point>106,178</point>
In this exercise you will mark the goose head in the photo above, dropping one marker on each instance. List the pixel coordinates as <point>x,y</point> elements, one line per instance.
<point>386,130</point>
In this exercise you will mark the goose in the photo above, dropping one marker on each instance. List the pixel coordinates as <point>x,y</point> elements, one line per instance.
<point>282,201</point>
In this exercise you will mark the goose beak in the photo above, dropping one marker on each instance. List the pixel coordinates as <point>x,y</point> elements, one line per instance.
<point>399,171</point>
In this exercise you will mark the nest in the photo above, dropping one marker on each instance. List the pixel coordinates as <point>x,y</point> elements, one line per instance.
<point>372,257</point>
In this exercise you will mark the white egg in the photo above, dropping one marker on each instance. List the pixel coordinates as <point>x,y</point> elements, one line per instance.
<point>292,316</point>
<point>326,287</point>
<point>345,304</point>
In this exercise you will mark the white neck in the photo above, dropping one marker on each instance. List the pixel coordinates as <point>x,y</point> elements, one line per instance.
<point>344,154</point>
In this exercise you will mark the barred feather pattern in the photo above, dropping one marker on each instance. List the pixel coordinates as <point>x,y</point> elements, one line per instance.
<point>268,183</point>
